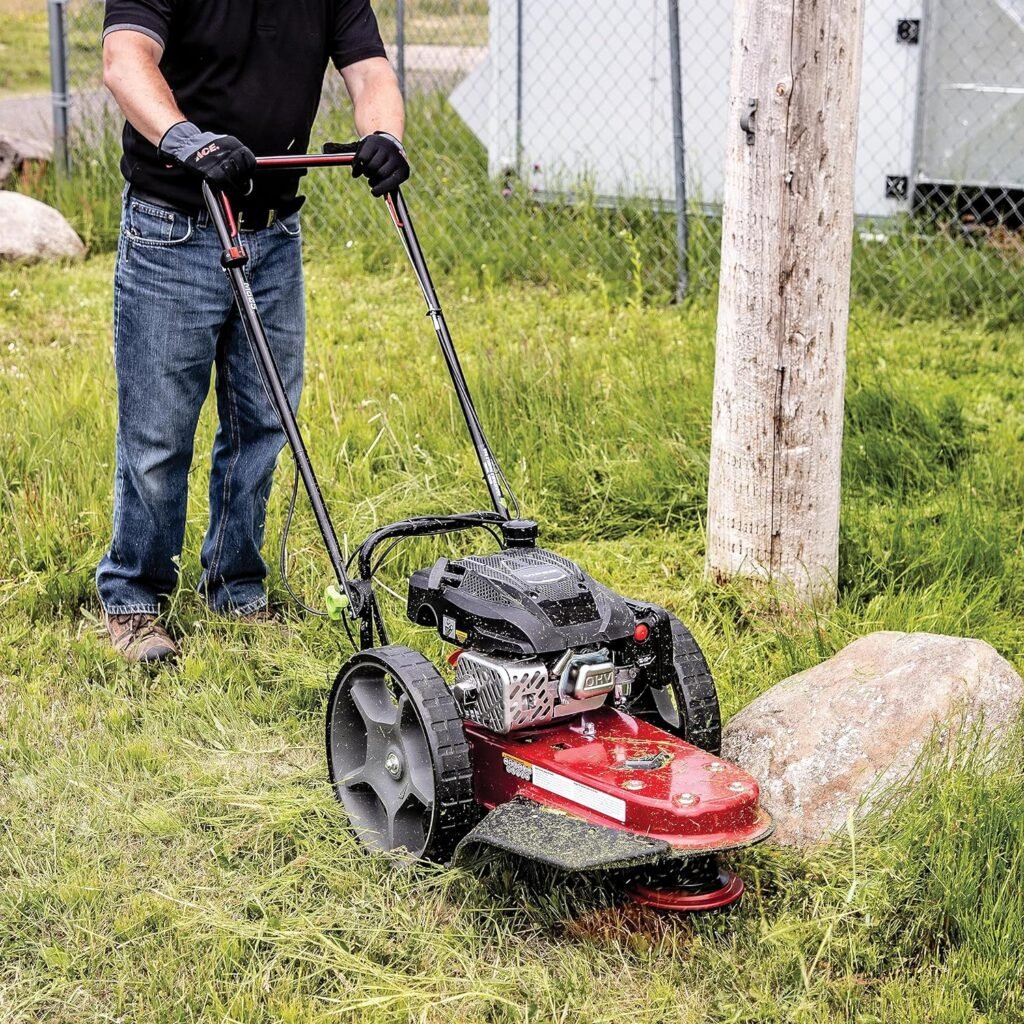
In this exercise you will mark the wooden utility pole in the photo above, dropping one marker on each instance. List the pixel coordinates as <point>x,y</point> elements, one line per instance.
<point>787,234</point>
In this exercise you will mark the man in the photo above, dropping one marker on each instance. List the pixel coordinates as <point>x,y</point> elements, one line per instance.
<point>205,84</point>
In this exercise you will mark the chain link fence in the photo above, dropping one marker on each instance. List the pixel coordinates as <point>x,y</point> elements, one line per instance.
<point>584,141</point>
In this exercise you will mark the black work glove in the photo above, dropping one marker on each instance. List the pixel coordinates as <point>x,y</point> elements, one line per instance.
<point>382,159</point>
<point>221,159</point>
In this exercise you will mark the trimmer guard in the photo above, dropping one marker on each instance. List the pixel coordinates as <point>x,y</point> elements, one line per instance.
<point>529,829</point>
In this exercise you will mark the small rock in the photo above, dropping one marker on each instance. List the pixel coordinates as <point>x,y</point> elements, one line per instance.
<point>30,231</point>
<point>820,740</point>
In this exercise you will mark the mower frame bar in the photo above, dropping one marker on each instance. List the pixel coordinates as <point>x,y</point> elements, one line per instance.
<point>493,477</point>
<point>233,259</point>
<point>361,601</point>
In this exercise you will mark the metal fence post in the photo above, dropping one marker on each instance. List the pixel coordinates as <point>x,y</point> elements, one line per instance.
<point>59,84</point>
<point>678,153</point>
<point>519,87</point>
<point>400,43</point>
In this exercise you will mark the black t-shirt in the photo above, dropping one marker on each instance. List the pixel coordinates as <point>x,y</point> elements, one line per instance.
<point>249,68</point>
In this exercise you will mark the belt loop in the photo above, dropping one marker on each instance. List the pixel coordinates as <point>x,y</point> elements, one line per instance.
<point>255,219</point>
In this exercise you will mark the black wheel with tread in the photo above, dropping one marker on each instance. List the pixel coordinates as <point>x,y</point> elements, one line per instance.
<point>686,704</point>
<point>397,756</point>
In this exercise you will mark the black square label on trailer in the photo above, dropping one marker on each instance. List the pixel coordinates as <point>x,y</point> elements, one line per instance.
<point>908,31</point>
<point>896,186</point>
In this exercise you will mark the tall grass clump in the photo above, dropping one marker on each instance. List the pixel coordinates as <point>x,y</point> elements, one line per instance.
<point>90,197</point>
<point>928,270</point>
<point>491,232</point>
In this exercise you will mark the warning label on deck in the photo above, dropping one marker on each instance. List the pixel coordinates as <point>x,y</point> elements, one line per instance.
<point>568,789</point>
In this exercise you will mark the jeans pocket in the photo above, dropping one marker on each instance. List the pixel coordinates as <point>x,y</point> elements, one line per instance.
<point>149,224</point>
<point>289,225</point>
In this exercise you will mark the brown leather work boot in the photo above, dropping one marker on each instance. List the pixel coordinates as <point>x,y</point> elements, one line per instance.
<point>141,638</point>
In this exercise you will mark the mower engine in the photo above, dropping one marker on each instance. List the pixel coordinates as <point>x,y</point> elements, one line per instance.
<point>503,695</point>
<point>592,723</point>
<point>538,638</point>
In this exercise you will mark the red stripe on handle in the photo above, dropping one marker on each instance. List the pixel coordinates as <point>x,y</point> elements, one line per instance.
<point>304,160</point>
<point>229,215</point>
<point>393,212</point>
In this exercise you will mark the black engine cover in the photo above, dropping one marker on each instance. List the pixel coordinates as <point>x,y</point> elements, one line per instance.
<point>519,602</point>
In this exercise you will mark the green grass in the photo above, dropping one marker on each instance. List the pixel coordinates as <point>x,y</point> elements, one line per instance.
<point>445,22</point>
<point>24,48</point>
<point>170,848</point>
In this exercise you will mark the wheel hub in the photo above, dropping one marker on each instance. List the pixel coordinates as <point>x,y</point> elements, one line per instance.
<point>393,765</point>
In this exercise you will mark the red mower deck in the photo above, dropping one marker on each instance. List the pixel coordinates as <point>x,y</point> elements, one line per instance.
<point>610,769</point>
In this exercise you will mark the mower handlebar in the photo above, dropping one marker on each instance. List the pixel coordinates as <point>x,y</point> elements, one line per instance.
<point>235,256</point>
<point>301,161</point>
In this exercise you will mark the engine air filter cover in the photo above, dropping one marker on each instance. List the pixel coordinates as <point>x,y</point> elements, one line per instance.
<point>521,601</point>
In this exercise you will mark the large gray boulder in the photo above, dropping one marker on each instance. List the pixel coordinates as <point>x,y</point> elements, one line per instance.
<point>821,741</point>
<point>30,231</point>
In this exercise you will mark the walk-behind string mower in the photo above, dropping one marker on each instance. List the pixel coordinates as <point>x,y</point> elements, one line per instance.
<point>581,728</point>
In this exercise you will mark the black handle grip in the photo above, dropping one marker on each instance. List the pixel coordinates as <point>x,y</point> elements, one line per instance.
<point>339,147</point>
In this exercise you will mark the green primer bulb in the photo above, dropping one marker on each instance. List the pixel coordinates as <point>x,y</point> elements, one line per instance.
<point>336,601</point>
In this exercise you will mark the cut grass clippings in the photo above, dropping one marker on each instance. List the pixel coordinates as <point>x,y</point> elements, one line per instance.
<point>171,850</point>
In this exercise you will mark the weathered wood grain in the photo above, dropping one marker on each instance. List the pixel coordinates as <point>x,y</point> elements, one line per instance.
<point>773,508</point>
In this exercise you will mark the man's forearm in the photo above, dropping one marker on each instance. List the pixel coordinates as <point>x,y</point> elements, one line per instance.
<point>376,100</point>
<point>131,73</point>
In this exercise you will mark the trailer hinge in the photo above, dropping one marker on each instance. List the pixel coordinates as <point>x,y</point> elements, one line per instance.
<point>908,31</point>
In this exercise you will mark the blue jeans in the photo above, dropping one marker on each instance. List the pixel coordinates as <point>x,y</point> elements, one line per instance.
<point>174,321</point>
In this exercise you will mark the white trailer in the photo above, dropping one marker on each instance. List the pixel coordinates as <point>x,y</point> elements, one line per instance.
<point>577,96</point>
